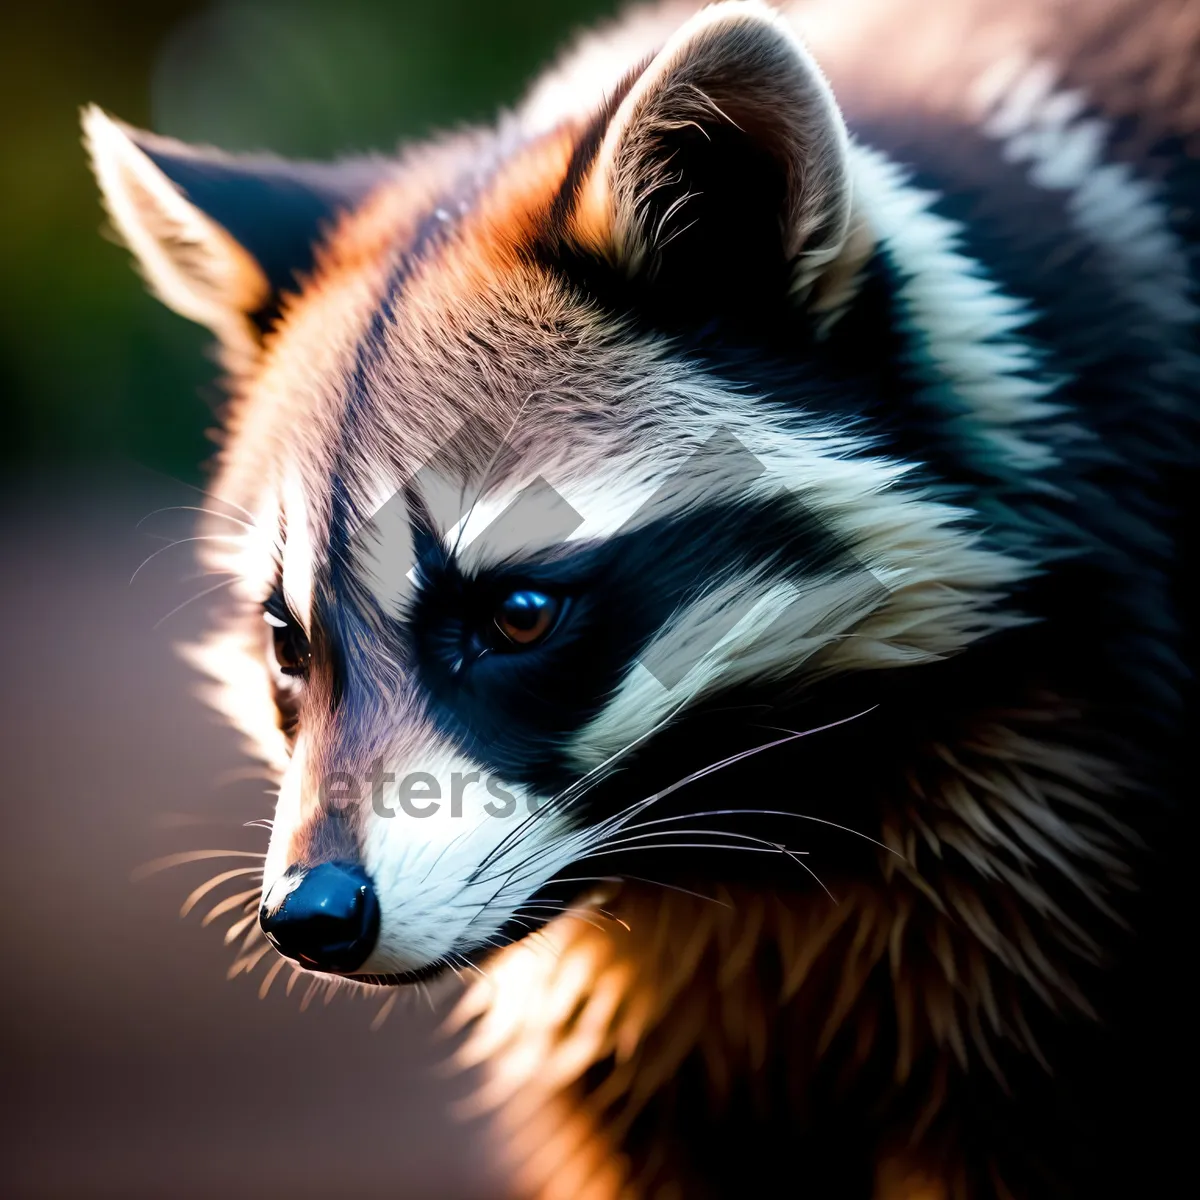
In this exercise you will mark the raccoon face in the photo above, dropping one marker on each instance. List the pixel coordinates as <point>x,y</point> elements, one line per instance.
<point>544,440</point>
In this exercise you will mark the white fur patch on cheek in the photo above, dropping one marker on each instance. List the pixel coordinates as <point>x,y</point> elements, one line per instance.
<point>453,854</point>
<point>746,628</point>
<point>918,588</point>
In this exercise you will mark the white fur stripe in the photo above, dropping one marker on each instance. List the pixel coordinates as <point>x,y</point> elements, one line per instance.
<point>968,324</point>
<point>1046,128</point>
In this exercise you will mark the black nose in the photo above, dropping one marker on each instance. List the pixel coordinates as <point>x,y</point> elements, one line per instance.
<point>328,921</point>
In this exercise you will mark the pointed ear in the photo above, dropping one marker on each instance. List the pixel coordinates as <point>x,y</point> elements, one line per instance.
<point>721,179</point>
<point>219,237</point>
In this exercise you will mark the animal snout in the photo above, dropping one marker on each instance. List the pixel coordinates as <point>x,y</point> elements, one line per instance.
<point>325,917</point>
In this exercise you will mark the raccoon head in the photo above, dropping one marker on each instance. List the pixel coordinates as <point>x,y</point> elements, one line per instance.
<point>559,449</point>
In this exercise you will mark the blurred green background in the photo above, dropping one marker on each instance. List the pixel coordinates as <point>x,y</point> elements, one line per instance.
<point>90,367</point>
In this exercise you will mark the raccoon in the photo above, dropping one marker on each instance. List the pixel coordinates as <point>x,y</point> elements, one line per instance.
<point>709,556</point>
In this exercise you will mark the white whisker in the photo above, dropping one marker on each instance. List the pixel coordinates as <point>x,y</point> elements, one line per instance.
<point>208,537</point>
<point>208,591</point>
<point>238,927</point>
<point>208,512</point>
<point>270,977</point>
<point>763,812</point>
<point>188,856</point>
<point>247,962</point>
<point>230,902</point>
<point>718,846</point>
<point>215,882</point>
<point>384,1012</point>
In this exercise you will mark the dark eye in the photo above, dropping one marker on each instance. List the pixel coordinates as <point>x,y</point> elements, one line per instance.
<point>292,651</point>
<point>527,616</point>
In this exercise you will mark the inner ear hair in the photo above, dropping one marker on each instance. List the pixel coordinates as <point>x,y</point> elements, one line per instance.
<point>723,173</point>
<point>189,261</point>
<point>220,237</point>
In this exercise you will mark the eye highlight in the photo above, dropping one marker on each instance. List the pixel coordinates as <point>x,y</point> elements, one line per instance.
<point>526,617</point>
<point>289,641</point>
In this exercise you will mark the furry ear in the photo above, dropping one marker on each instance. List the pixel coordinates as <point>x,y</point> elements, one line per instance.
<point>219,238</point>
<point>722,174</point>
